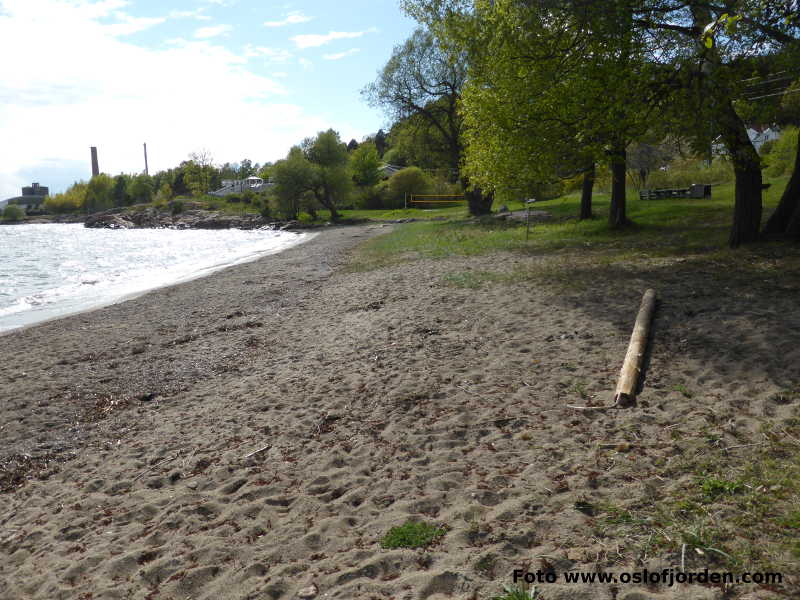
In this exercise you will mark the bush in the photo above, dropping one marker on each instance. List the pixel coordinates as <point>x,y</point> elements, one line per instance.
<point>372,198</point>
<point>13,213</point>
<point>780,157</point>
<point>411,180</point>
<point>176,207</point>
<point>234,197</point>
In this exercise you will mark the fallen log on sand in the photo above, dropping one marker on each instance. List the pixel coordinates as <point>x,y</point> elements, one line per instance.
<point>632,366</point>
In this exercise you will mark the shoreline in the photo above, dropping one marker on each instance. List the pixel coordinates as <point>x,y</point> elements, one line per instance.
<point>259,431</point>
<point>303,237</point>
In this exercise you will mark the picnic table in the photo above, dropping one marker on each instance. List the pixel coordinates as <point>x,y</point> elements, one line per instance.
<point>696,190</point>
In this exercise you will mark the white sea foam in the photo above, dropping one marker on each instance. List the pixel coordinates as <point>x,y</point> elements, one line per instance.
<point>54,270</point>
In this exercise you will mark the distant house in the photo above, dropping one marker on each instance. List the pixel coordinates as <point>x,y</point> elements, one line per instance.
<point>758,134</point>
<point>237,186</point>
<point>32,197</point>
<point>761,135</point>
<point>388,170</point>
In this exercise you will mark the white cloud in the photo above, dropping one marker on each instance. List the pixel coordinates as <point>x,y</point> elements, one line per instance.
<point>340,55</point>
<point>128,24</point>
<point>280,74</point>
<point>272,55</point>
<point>292,18</point>
<point>189,14</point>
<point>211,31</point>
<point>312,40</point>
<point>305,63</point>
<point>100,90</point>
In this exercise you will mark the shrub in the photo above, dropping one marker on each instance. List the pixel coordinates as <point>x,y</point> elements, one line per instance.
<point>411,534</point>
<point>176,207</point>
<point>13,213</point>
<point>372,198</point>
<point>780,157</point>
<point>411,180</point>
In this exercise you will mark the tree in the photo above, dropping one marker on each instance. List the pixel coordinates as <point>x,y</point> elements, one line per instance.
<point>380,142</point>
<point>245,168</point>
<point>140,189</point>
<point>199,172</point>
<point>352,145</point>
<point>99,193</point>
<point>421,79</point>
<point>329,158</point>
<point>293,177</point>
<point>13,213</point>
<point>552,89</point>
<point>121,183</point>
<point>786,218</point>
<point>709,51</point>
<point>364,165</point>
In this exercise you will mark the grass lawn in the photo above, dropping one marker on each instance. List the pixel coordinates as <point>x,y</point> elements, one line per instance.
<point>669,227</point>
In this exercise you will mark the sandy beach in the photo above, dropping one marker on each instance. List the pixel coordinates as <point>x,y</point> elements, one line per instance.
<point>255,433</point>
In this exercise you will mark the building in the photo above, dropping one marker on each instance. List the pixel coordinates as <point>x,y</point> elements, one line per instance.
<point>32,197</point>
<point>237,186</point>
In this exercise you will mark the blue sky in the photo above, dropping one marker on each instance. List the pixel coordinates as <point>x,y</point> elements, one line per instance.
<point>240,78</point>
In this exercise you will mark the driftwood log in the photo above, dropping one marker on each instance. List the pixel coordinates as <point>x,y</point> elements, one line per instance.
<point>632,367</point>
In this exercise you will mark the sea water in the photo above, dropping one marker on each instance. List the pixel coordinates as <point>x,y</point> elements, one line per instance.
<point>53,270</point>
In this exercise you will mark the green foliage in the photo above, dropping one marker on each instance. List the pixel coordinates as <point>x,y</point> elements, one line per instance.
<point>364,164</point>
<point>176,207</point>
<point>164,193</point>
<point>140,189</point>
<point>780,158</point>
<point>71,201</point>
<point>374,197</point>
<point>411,180</point>
<point>99,193</point>
<point>412,534</point>
<point>517,593</point>
<point>13,213</point>
<point>714,487</point>
<point>121,183</point>
<point>294,176</point>
<point>421,84</point>
<point>683,172</point>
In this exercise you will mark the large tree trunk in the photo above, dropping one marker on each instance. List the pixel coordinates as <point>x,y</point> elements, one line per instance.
<point>586,194</point>
<point>747,170</point>
<point>478,202</point>
<point>788,211</point>
<point>616,213</point>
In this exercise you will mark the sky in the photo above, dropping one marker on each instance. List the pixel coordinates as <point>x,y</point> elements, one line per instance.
<point>238,78</point>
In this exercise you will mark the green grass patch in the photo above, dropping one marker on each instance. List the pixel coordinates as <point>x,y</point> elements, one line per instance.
<point>412,534</point>
<point>517,593</point>
<point>659,228</point>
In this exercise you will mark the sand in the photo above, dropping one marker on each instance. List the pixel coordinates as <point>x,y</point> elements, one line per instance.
<point>257,432</point>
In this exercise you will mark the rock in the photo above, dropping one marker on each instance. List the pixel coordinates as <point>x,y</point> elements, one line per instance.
<point>107,221</point>
<point>503,209</point>
<point>308,592</point>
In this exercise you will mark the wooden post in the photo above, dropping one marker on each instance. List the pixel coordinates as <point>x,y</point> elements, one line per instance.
<point>632,367</point>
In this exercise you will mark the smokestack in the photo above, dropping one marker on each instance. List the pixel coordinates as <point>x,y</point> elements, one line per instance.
<point>95,168</point>
<point>145,159</point>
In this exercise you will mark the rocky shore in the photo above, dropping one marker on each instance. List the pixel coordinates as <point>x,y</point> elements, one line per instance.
<point>188,219</point>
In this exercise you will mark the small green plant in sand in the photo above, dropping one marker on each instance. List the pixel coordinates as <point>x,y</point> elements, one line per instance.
<point>682,389</point>
<point>412,534</point>
<point>518,593</point>
<point>714,487</point>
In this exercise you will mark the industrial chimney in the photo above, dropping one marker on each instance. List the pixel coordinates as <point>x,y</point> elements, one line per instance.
<point>146,172</point>
<point>95,168</point>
